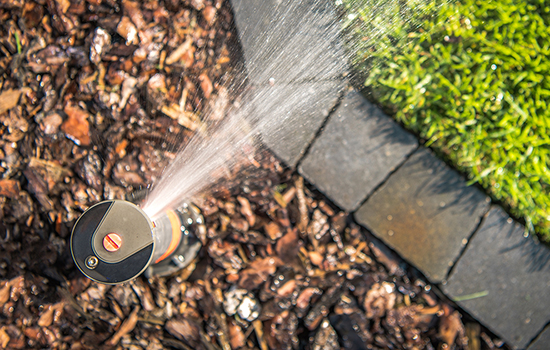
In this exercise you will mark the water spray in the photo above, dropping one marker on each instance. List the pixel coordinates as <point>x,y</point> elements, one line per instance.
<point>115,241</point>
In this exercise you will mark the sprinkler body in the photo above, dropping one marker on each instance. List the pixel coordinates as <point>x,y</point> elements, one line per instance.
<point>115,241</point>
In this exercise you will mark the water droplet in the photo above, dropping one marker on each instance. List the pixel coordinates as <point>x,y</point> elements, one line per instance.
<point>420,203</point>
<point>272,81</point>
<point>390,217</point>
<point>390,233</point>
<point>493,66</point>
<point>442,204</point>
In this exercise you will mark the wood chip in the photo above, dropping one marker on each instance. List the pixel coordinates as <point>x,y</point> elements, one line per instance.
<point>178,53</point>
<point>184,118</point>
<point>302,206</point>
<point>4,338</point>
<point>127,326</point>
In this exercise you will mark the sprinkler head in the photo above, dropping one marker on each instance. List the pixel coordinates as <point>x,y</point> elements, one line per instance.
<point>115,241</point>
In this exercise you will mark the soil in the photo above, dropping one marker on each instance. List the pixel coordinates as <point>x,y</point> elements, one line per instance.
<point>95,98</point>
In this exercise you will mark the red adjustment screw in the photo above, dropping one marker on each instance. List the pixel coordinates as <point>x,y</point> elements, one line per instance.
<point>112,242</point>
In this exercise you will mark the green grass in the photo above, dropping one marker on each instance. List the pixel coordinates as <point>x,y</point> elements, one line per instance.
<point>472,78</point>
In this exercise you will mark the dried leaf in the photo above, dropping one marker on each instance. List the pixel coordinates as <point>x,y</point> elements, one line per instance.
<point>288,246</point>
<point>258,271</point>
<point>184,330</point>
<point>76,127</point>
<point>10,189</point>
<point>10,98</point>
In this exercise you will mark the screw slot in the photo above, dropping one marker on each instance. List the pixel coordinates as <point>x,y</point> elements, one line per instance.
<point>112,242</point>
<point>91,262</point>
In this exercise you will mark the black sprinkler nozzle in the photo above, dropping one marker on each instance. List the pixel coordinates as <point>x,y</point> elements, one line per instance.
<point>115,241</point>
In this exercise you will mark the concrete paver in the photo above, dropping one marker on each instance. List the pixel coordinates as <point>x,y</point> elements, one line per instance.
<point>425,212</point>
<point>356,151</point>
<point>291,127</point>
<point>507,277</point>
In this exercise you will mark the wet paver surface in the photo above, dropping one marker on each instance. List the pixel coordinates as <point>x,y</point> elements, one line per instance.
<point>303,119</point>
<point>505,279</point>
<point>425,212</point>
<point>358,148</point>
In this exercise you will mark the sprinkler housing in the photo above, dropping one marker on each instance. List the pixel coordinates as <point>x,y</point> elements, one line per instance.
<point>115,241</point>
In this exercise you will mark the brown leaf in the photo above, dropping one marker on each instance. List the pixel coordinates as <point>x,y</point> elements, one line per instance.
<point>76,127</point>
<point>258,271</point>
<point>288,246</point>
<point>9,188</point>
<point>184,330</point>
<point>304,299</point>
<point>10,98</point>
<point>127,326</point>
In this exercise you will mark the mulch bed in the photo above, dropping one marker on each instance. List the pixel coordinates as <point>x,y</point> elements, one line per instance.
<point>95,98</point>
